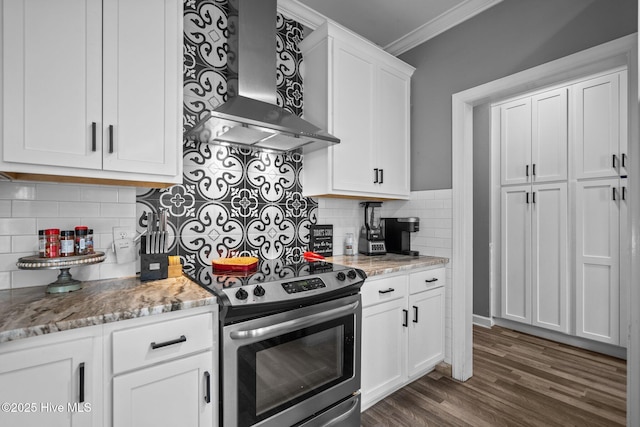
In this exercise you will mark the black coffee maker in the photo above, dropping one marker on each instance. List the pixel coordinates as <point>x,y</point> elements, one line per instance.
<point>396,234</point>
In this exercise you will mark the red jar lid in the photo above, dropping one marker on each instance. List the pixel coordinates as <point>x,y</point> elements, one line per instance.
<point>50,231</point>
<point>81,227</point>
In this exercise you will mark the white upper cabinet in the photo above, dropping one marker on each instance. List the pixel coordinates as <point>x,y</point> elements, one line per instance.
<point>91,91</point>
<point>600,126</point>
<point>534,135</point>
<point>360,94</point>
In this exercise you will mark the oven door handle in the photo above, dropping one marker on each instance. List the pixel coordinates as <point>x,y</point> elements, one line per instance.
<point>294,324</point>
<point>338,420</point>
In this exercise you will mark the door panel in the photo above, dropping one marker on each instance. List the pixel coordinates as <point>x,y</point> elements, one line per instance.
<point>515,137</point>
<point>549,257</point>
<point>597,260</point>
<point>549,136</point>
<point>516,254</point>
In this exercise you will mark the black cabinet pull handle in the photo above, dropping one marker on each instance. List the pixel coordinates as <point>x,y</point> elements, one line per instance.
<point>166,343</point>
<point>110,139</point>
<point>624,193</point>
<point>624,158</point>
<point>386,291</point>
<point>406,318</point>
<point>435,279</point>
<point>534,169</point>
<point>415,314</point>
<point>614,158</point>
<point>93,136</point>
<point>375,174</point>
<point>207,387</point>
<point>527,197</point>
<point>613,193</point>
<point>81,375</point>
<point>381,176</point>
<point>534,196</point>
<point>526,171</point>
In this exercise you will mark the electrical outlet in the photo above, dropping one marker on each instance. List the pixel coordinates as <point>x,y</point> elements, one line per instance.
<point>124,245</point>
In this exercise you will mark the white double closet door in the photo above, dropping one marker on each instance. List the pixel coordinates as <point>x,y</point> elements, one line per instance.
<point>534,255</point>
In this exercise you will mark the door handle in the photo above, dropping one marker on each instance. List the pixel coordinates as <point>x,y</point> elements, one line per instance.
<point>527,197</point>
<point>624,157</point>
<point>534,169</point>
<point>405,313</point>
<point>381,176</point>
<point>624,193</point>
<point>386,291</point>
<point>526,170</point>
<point>415,314</point>
<point>435,279</point>
<point>110,139</point>
<point>614,160</point>
<point>295,324</point>
<point>375,175</point>
<point>155,346</point>
<point>81,380</point>
<point>533,194</point>
<point>613,193</point>
<point>93,136</point>
<point>207,387</point>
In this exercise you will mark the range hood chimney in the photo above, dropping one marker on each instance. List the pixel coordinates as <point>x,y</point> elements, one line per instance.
<point>250,117</point>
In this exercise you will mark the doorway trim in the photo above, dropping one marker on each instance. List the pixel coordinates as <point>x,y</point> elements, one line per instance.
<point>622,51</point>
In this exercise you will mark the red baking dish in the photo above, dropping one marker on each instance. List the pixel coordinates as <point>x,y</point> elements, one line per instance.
<point>241,264</point>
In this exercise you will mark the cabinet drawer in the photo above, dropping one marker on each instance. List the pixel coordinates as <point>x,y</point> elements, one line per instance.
<point>381,290</point>
<point>428,279</point>
<point>145,345</point>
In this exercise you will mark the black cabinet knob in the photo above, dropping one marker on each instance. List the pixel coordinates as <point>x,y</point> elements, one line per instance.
<point>258,291</point>
<point>242,294</point>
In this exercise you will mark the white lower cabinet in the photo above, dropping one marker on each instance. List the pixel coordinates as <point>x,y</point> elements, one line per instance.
<point>402,330</point>
<point>52,382</point>
<point>163,372</point>
<point>150,371</point>
<point>176,393</point>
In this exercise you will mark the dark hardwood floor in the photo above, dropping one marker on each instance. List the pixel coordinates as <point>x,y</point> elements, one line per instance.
<point>519,380</point>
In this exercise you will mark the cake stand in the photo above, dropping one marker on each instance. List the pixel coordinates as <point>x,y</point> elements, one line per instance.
<point>65,282</point>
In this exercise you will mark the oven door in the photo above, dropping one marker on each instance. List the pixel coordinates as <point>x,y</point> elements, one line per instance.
<point>282,369</point>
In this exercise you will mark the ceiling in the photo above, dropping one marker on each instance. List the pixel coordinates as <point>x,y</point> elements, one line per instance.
<point>396,25</point>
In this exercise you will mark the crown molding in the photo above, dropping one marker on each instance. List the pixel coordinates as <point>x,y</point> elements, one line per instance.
<point>468,9</point>
<point>301,13</point>
<point>442,23</point>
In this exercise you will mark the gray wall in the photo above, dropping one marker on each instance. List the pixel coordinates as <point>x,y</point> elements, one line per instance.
<point>512,36</point>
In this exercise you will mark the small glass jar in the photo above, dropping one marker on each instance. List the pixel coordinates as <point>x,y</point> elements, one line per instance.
<point>67,243</point>
<point>42,243</point>
<point>52,244</point>
<point>89,241</point>
<point>81,240</point>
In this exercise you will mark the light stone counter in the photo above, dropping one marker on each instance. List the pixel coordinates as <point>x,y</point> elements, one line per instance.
<point>31,311</point>
<point>389,263</point>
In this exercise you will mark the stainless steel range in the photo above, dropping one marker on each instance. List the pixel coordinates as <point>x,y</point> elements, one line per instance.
<point>290,344</point>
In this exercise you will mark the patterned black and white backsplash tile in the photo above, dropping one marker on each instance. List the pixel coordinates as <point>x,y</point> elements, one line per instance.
<point>232,201</point>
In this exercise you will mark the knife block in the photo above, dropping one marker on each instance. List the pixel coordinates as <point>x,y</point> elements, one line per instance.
<point>152,266</point>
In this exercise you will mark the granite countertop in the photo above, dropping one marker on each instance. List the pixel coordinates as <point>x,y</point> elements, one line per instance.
<point>31,311</point>
<point>389,263</point>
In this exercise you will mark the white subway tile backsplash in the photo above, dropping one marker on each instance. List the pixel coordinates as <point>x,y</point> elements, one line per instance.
<point>26,208</point>
<point>58,192</point>
<point>28,243</point>
<point>33,209</point>
<point>5,208</point>
<point>5,244</point>
<point>5,280</point>
<point>100,194</point>
<point>17,191</point>
<point>13,226</point>
<point>81,209</point>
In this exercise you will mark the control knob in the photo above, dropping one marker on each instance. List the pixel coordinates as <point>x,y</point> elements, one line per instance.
<point>351,274</point>
<point>242,294</point>
<point>258,291</point>
<point>340,276</point>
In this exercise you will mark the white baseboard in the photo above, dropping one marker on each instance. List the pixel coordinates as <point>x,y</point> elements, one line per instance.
<point>485,322</point>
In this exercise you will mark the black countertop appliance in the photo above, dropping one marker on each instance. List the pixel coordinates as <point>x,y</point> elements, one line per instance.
<point>396,234</point>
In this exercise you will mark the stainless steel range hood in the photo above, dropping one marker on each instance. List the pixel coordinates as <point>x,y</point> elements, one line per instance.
<point>251,117</point>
